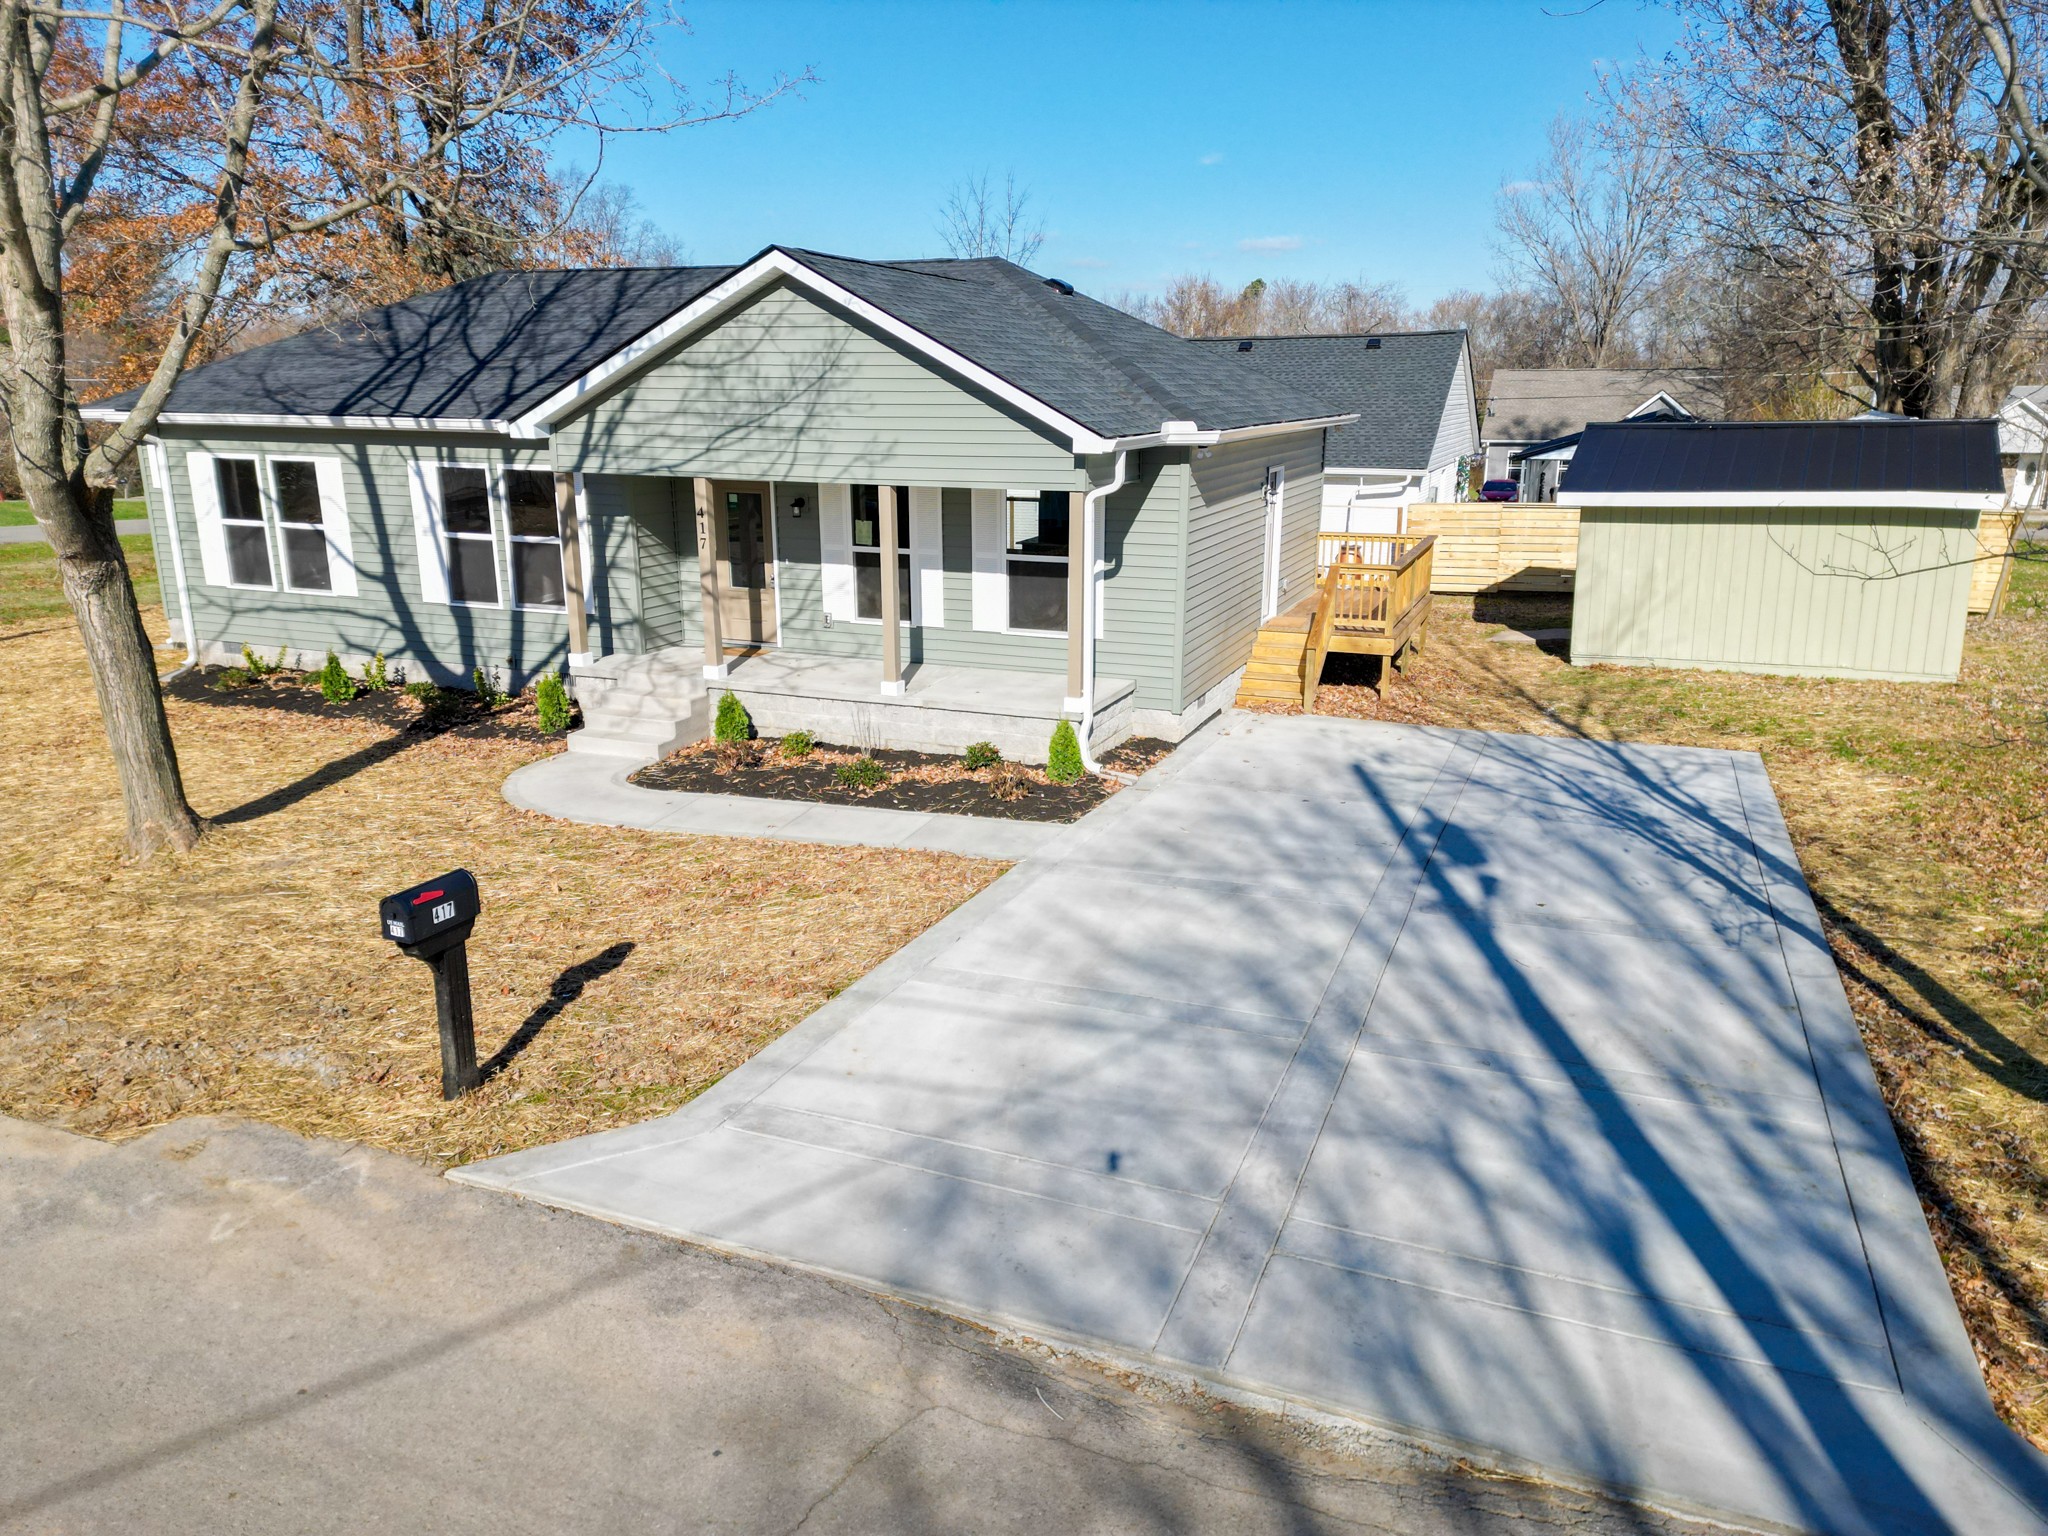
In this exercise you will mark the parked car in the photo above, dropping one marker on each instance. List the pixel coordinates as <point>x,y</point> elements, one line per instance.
<point>1499,490</point>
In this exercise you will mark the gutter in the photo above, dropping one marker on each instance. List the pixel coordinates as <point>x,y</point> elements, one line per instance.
<point>161,464</point>
<point>1091,529</point>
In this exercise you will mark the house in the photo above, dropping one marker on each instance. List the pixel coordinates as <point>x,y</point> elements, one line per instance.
<point>1833,548</point>
<point>2023,444</point>
<point>673,480</point>
<point>1533,415</point>
<point>1417,425</point>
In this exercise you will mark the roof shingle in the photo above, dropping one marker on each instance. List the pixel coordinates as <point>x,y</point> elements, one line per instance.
<point>1397,382</point>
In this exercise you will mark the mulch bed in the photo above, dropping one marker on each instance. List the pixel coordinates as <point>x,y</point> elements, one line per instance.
<point>298,693</point>
<point>917,781</point>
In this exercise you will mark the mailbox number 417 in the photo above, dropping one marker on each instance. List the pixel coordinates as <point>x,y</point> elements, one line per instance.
<point>441,913</point>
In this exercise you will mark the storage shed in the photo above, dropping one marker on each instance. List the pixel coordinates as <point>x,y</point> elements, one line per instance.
<point>1828,548</point>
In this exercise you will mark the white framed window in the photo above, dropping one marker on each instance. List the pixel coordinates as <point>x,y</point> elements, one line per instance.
<point>533,537</point>
<point>469,548</point>
<point>867,552</point>
<point>301,525</point>
<point>244,530</point>
<point>1037,531</point>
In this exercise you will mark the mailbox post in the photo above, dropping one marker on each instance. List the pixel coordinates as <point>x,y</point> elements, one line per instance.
<point>431,922</point>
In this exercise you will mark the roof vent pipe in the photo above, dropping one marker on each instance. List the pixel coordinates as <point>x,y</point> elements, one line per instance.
<point>1060,285</point>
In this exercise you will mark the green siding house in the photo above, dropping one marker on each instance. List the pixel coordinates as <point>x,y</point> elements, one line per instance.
<point>674,481</point>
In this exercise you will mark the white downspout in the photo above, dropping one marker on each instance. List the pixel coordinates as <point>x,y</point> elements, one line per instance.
<point>160,463</point>
<point>1091,540</point>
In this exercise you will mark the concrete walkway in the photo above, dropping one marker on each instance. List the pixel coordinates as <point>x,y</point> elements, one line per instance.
<point>224,1328</point>
<point>32,533</point>
<point>1497,1088</point>
<point>590,787</point>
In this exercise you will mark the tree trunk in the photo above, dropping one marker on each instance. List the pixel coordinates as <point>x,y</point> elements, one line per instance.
<point>117,650</point>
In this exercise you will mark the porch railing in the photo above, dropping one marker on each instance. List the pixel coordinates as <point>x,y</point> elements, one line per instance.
<point>1372,596</point>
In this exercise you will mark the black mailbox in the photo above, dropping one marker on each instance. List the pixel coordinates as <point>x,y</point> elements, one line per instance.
<point>431,922</point>
<point>433,914</point>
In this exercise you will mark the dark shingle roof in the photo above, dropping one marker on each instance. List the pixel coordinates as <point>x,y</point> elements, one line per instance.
<point>496,346</point>
<point>483,350</point>
<point>1527,405</point>
<point>1868,454</point>
<point>1398,388</point>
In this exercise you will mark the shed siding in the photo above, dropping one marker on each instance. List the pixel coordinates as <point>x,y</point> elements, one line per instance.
<point>1226,529</point>
<point>442,641</point>
<point>1804,591</point>
<point>788,389</point>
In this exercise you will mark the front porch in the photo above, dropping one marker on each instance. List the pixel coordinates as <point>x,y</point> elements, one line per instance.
<point>646,705</point>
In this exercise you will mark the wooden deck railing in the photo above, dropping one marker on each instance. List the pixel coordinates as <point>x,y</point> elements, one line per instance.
<point>1372,597</point>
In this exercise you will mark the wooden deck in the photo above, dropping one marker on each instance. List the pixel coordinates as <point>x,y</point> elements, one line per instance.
<point>1372,598</point>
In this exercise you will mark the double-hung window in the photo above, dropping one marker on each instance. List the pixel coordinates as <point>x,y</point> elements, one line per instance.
<point>534,529</point>
<point>241,523</point>
<point>469,549</point>
<point>295,483</point>
<point>867,551</point>
<point>1035,557</point>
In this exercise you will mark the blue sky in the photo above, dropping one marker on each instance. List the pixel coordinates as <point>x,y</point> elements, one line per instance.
<point>1278,140</point>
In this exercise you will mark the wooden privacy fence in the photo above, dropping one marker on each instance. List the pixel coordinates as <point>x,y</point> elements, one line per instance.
<point>1372,598</point>
<point>1500,546</point>
<point>1533,546</point>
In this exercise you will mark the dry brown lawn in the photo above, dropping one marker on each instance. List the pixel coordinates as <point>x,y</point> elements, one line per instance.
<point>249,977</point>
<point>1920,812</point>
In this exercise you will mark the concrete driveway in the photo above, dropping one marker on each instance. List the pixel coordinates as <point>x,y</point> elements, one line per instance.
<point>1497,1089</point>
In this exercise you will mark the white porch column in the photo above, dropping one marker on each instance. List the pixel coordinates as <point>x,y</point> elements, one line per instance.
<point>566,522</point>
<point>892,596</point>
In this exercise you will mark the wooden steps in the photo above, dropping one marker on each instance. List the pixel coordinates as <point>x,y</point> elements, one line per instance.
<point>1274,672</point>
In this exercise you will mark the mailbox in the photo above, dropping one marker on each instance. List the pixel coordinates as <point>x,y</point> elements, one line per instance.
<point>431,922</point>
<point>433,915</point>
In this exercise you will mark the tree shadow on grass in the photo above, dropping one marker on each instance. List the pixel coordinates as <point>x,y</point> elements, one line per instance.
<point>326,776</point>
<point>563,991</point>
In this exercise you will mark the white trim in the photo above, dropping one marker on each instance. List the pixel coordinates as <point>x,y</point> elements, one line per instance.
<point>835,553</point>
<point>1651,404</point>
<point>511,538</point>
<point>160,464</point>
<point>219,522</point>
<point>927,556</point>
<point>318,423</point>
<point>423,476</point>
<point>1345,469</point>
<point>991,579</point>
<point>341,575</point>
<point>1876,501</point>
<point>774,564</point>
<point>1273,492</point>
<point>771,266</point>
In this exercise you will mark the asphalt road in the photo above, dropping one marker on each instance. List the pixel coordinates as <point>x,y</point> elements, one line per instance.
<point>223,1327</point>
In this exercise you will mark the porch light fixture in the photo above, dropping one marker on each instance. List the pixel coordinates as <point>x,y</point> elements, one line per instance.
<point>796,507</point>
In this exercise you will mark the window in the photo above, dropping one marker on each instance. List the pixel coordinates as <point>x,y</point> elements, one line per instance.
<point>241,522</point>
<point>466,536</point>
<point>867,551</point>
<point>535,530</point>
<point>300,526</point>
<point>1036,559</point>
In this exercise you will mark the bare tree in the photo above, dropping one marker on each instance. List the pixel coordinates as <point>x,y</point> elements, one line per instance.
<point>1872,170</point>
<point>1198,305</point>
<point>1591,235</point>
<point>265,127</point>
<point>980,219</point>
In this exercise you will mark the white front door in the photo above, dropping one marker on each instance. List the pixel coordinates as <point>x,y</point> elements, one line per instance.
<point>1276,484</point>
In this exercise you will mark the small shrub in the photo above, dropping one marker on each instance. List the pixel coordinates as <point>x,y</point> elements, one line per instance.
<point>733,723</point>
<point>426,692</point>
<point>336,686</point>
<point>485,681</point>
<point>1010,781</point>
<point>862,773</point>
<point>980,755</point>
<point>256,666</point>
<point>730,756</point>
<point>1063,757</point>
<point>551,703</point>
<point>375,678</point>
<point>228,679</point>
<point>798,744</point>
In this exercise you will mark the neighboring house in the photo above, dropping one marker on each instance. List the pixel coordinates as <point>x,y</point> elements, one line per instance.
<point>1533,415</point>
<point>1417,420</point>
<point>2023,443</point>
<point>665,477</point>
<point>1835,548</point>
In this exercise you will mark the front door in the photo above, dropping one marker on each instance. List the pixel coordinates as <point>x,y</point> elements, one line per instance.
<point>746,561</point>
